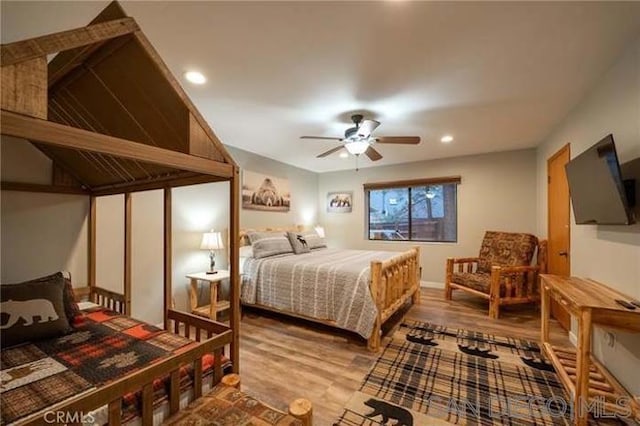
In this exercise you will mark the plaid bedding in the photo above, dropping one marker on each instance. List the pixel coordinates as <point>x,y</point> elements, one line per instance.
<point>327,284</point>
<point>104,346</point>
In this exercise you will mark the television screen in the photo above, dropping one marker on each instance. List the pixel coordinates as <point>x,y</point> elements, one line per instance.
<point>596,186</point>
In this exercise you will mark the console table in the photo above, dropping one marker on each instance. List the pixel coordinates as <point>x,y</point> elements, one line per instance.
<point>584,377</point>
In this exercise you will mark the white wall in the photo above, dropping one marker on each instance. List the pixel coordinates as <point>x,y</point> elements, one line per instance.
<point>43,233</point>
<point>497,192</point>
<point>609,254</point>
<point>40,233</point>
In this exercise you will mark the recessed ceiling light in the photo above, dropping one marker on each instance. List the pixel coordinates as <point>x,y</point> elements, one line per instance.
<point>195,77</point>
<point>446,139</point>
<point>344,155</point>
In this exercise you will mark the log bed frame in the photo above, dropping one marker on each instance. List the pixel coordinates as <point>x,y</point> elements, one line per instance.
<point>111,129</point>
<point>392,283</point>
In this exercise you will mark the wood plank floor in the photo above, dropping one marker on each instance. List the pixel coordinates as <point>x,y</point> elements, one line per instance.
<point>284,358</point>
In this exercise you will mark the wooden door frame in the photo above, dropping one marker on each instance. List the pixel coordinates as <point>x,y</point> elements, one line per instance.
<point>564,149</point>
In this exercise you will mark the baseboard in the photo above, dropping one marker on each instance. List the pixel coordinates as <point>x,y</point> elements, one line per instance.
<point>431,284</point>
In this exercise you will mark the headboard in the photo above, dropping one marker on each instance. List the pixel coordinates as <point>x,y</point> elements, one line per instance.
<point>244,237</point>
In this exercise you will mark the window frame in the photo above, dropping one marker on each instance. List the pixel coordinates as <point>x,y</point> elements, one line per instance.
<point>408,185</point>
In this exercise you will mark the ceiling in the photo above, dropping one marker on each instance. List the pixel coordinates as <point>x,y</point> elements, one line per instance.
<point>497,76</point>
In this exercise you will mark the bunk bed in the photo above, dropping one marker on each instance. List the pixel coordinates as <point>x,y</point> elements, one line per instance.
<point>113,120</point>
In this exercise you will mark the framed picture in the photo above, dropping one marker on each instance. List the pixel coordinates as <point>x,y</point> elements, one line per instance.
<point>266,193</point>
<point>339,202</point>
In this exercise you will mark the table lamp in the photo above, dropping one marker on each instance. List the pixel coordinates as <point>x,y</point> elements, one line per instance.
<point>211,241</point>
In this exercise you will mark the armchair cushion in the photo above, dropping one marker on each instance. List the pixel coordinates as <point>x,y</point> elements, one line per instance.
<point>480,281</point>
<point>506,249</point>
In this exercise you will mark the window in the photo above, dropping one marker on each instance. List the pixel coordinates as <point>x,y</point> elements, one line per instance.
<point>420,210</point>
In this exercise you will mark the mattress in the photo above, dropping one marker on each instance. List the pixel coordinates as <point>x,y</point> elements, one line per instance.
<point>325,284</point>
<point>104,346</point>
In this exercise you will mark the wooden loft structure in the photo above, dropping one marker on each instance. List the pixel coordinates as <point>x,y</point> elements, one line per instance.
<point>113,120</point>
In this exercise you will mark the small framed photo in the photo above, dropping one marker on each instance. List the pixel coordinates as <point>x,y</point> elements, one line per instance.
<point>339,202</point>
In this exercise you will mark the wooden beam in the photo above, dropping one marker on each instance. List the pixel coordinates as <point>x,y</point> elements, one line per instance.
<point>168,265</point>
<point>46,132</point>
<point>91,258</point>
<point>169,182</point>
<point>20,51</point>
<point>162,67</point>
<point>24,87</point>
<point>127,253</point>
<point>36,187</point>
<point>234,268</point>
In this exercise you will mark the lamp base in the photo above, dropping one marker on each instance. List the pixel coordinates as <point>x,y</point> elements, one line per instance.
<point>211,272</point>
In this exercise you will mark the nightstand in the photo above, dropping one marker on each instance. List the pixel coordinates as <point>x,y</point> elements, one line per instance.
<point>211,310</point>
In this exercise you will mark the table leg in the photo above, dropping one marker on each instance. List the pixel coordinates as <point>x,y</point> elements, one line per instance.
<point>545,302</point>
<point>583,352</point>
<point>213,307</point>
<point>193,294</point>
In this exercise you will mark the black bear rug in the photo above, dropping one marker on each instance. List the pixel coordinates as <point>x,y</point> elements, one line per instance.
<point>433,375</point>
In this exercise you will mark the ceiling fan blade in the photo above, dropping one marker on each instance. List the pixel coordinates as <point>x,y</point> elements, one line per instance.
<point>328,138</point>
<point>366,127</point>
<point>331,151</point>
<point>407,140</point>
<point>373,154</point>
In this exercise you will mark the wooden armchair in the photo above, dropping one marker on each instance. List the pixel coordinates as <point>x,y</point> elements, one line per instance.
<point>502,272</point>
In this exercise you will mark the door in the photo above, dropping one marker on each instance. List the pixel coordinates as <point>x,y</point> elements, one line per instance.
<point>558,219</point>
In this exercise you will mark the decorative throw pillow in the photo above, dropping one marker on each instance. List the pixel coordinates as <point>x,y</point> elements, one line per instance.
<point>32,311</point>
<point>267,244</point>
<point>71,309</point>
<point>314,240</point>
<point>298,242</point>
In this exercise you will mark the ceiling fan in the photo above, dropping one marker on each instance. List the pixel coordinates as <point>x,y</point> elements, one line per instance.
<point>359,140</point>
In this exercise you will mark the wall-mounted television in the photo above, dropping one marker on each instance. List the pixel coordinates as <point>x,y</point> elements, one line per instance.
<point>597,188</point>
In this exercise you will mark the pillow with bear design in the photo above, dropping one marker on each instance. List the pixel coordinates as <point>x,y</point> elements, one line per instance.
<point>31,311</point>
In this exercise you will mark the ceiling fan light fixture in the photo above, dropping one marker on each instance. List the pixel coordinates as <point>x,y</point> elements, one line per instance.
<point>357,147</point>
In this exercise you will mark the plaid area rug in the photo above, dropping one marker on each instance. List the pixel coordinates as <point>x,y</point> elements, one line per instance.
<point>432,375</point>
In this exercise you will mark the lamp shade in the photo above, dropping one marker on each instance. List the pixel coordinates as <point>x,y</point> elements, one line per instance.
<point>320,231</point>
<point>211,241</point>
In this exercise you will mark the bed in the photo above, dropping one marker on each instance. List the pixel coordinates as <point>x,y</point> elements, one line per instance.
<point>107,130</point>
<point>103,348</point>
<point>355,290</point>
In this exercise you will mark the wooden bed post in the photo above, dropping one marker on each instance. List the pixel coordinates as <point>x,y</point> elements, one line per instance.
<point>418,276</point>
<point>373,344</point>
<point>91,255</point>
<point>127,253</point>
<point>168,266</point>
<point>234,265</point>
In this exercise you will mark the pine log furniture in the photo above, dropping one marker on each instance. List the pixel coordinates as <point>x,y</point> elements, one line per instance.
<point>211,310</point>
<point>582,375</point>
<point>392,283</point>
<point>502,272</point>
<point>111,128</point>
<point>227,405</point>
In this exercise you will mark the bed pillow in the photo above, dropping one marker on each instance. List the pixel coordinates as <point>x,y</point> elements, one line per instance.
<point>314,240</point>
<point>246,251</point>
<point>71,309</point>
<point>298,242</point>
<point>267,244</point>
<point>33,310</point>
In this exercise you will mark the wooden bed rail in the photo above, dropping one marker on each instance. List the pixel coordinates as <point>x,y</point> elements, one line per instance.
<point>103,297</point>
<point>112,393</point>
<point>393,283</point>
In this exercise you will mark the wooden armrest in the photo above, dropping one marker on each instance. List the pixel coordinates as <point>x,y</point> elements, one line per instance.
<point>302,410</point>
<point>465,259</point>
<point>514,269</point>
<point>232,380</point>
